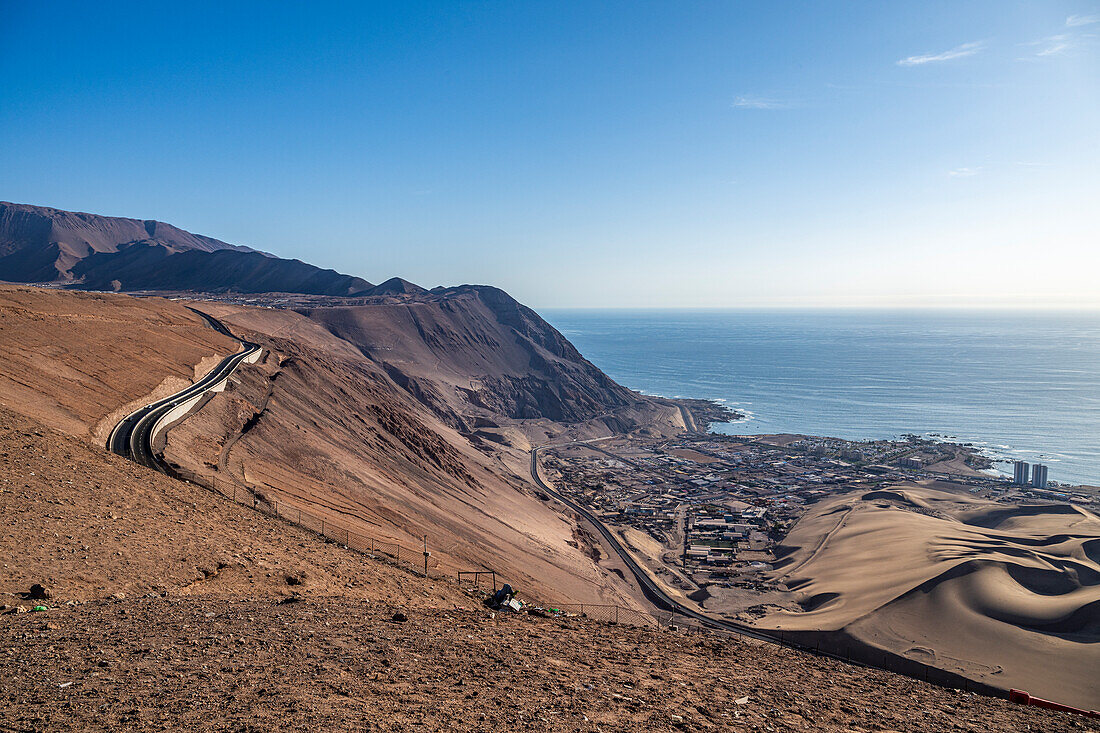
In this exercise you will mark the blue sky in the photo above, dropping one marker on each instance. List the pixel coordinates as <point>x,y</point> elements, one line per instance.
<point>598,154</point>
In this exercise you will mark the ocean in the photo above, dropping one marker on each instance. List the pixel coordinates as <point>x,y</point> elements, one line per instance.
<point>1020,385</point>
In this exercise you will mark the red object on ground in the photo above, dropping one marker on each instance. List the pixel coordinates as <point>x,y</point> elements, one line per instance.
<point>1023,698</point>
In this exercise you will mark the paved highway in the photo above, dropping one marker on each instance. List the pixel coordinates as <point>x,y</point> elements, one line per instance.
<point>132,438</point>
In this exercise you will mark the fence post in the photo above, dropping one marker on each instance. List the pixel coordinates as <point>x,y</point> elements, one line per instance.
<point>425,556</point>
<point>347,538</point>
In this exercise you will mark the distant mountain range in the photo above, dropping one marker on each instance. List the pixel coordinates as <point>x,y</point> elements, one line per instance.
<point>92,252</point>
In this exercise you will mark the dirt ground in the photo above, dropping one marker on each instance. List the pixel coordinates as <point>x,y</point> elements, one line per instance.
<point>340,664</point>
<point>169,611</point>
<point>89,525</point>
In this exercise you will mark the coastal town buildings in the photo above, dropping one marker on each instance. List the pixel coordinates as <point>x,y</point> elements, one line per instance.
<point>1039,476</point>
<point>713,509</point>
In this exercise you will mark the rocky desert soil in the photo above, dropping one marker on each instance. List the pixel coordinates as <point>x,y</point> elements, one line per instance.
<point>340,664</point>
<point>172,608</point>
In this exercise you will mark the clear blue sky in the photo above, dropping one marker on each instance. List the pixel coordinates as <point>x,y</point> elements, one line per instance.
<point>587,153</point>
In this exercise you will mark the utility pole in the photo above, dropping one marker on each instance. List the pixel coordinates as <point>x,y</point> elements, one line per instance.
<point>426,555</point>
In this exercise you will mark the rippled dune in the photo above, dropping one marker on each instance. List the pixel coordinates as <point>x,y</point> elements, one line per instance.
<point>1007,595</point>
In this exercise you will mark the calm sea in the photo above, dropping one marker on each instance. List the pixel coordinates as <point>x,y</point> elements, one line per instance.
<point>1021,385</point>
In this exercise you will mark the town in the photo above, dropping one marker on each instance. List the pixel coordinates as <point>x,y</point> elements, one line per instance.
<point>706,511</point>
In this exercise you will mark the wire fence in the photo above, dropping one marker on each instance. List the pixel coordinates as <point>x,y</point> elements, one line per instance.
<point>476,576</point>
<point>420,560</point>
<point>608,613</point>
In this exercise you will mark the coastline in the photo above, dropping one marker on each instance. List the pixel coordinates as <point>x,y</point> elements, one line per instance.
<point>1017,389</point>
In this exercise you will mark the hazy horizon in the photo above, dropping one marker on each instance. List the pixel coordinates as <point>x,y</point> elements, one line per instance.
<point>621,155</point>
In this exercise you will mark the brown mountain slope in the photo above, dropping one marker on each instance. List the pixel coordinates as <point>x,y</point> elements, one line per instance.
<point>315,425</point>
<point>476,347</point>
<point>319,427</point>
<point>78,361</point>
<point>44,245</point>
<point>88,524</point>
<point>222,650</point>
<point>39,233</point>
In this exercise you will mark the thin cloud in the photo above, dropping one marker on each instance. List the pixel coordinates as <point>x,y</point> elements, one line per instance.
<point>963,172</point>
<point>1075,21</point>
<point>1053,48</point>
<point>1056,45</point>
<point>966,49</point>
<point>758,103</point>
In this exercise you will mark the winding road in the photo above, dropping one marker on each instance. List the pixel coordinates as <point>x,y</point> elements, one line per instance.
<point>652,591</point>
<point>133,437</point>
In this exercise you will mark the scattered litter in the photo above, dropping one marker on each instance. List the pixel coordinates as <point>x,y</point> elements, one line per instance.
<point>40,608</point>
<point>63,685</point>
<point>501,598</point>
<point>741,700</point>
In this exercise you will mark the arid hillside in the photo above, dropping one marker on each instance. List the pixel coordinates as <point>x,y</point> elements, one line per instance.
<point>171,608</point>
<point>80,361</point>
<point>477,347</point>
<point>392,449</point>
<point>316,425</point>
<point>39,244</point>
<point>90,525</point>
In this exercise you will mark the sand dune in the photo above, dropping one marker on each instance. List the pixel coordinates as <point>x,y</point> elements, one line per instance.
<point>1006,595</point>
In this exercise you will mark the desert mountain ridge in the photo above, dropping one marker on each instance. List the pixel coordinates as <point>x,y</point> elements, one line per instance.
<point>44,245</point>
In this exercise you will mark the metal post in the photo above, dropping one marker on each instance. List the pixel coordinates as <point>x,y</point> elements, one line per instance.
<point>426,553</point>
